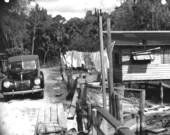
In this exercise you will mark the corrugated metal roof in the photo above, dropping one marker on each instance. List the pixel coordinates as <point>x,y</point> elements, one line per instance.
<point>136,37</point>
<point>22,58</point>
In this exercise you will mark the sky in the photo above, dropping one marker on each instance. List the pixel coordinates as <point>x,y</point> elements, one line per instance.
<point>76,8</point>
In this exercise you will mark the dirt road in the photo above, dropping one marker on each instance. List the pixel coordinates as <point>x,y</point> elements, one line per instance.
<point>19,115</point>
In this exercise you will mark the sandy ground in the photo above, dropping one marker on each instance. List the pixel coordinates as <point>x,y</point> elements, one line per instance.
<point>19,115</point>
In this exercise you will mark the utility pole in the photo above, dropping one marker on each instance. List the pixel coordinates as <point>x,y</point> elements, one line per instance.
<point>102,61</point>
<point>110,47</point>
<point>105,124</point>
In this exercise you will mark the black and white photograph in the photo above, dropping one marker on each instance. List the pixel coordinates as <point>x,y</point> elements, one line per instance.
<point>85,67</point>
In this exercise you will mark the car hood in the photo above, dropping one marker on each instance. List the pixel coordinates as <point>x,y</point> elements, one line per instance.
<point>23,75</point>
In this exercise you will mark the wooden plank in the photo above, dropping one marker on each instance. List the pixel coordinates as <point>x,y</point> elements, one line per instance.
<point>165,85</point>
<point>53,111</point>
<point>140,77</point>
<point>97,99</point>
<point>41,128</point>
<point>56,125</point>
<point>149,66</point>
<point>132,89</point>
<point>156,131</point>
<point>47,115</point>
<point>53,127</point>
<point>149,76</point>
<point>115,123</point>
<point>50,128</point>
<point>99,131</point>
<point>41,115</point>
<point>104,127</point>
<point>145,71</point>
<point>102,61</point>
<point>92,78</point>
<point>61,116</point>
<point>72,110</point>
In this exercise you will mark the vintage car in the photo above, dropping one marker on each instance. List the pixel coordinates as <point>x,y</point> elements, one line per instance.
<point>23,76</point>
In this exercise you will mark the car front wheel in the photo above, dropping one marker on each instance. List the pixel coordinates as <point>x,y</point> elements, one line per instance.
<point>40,94</point>
<point>6,98</point>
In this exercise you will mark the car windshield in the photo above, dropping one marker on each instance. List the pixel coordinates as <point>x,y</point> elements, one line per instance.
<point>25,65</point>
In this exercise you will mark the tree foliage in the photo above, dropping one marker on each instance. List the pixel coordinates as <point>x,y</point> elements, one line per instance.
<point>47,34</point>
<point>12,23</point>
<point>141,15</point>
<point>17,51</point>
<point>84,33</point>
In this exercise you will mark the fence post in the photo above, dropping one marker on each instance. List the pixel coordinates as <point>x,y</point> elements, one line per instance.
<point>89,114</point>
<point>119,108</point>
<point>110,94</point>
<point>79,116</point>
<point>110,47</point>
<point>104,126</point>
<point>142,117</point>
<point>83,95</point>
<point>99,124</point>
<point>94,115</point>
<point>114,106</point>
<point>161,94</point>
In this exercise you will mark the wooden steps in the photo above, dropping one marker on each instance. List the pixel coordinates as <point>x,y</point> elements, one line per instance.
<point>51,120</point>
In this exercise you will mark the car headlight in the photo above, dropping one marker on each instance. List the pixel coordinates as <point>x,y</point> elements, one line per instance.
<point>37,81</point>
<point>6,84</point>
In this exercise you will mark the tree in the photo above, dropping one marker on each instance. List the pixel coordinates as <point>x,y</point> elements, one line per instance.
<point>12,23</point>
<point>84,33</point>
<point>74,30</point>
<point>58,32</point>
<point>39,21</point>
<point>58,37</point>
<point>91,30</point>
<point>17,51</point>
<point>141,15</point>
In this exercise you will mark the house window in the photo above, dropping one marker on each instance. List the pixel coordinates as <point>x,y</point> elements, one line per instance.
<point>142,57</point>
<point>166,57</point>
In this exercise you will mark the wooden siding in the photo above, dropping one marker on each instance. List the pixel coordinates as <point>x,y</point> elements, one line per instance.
<point>149,72</point>
<point>154,70</point>
<point>117,75</point>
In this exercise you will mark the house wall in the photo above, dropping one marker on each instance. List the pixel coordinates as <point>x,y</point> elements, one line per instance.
<point>117,64</point>
<point>157,69</point>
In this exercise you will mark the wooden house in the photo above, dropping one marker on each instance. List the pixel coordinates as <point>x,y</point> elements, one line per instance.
<point>141,56</point>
